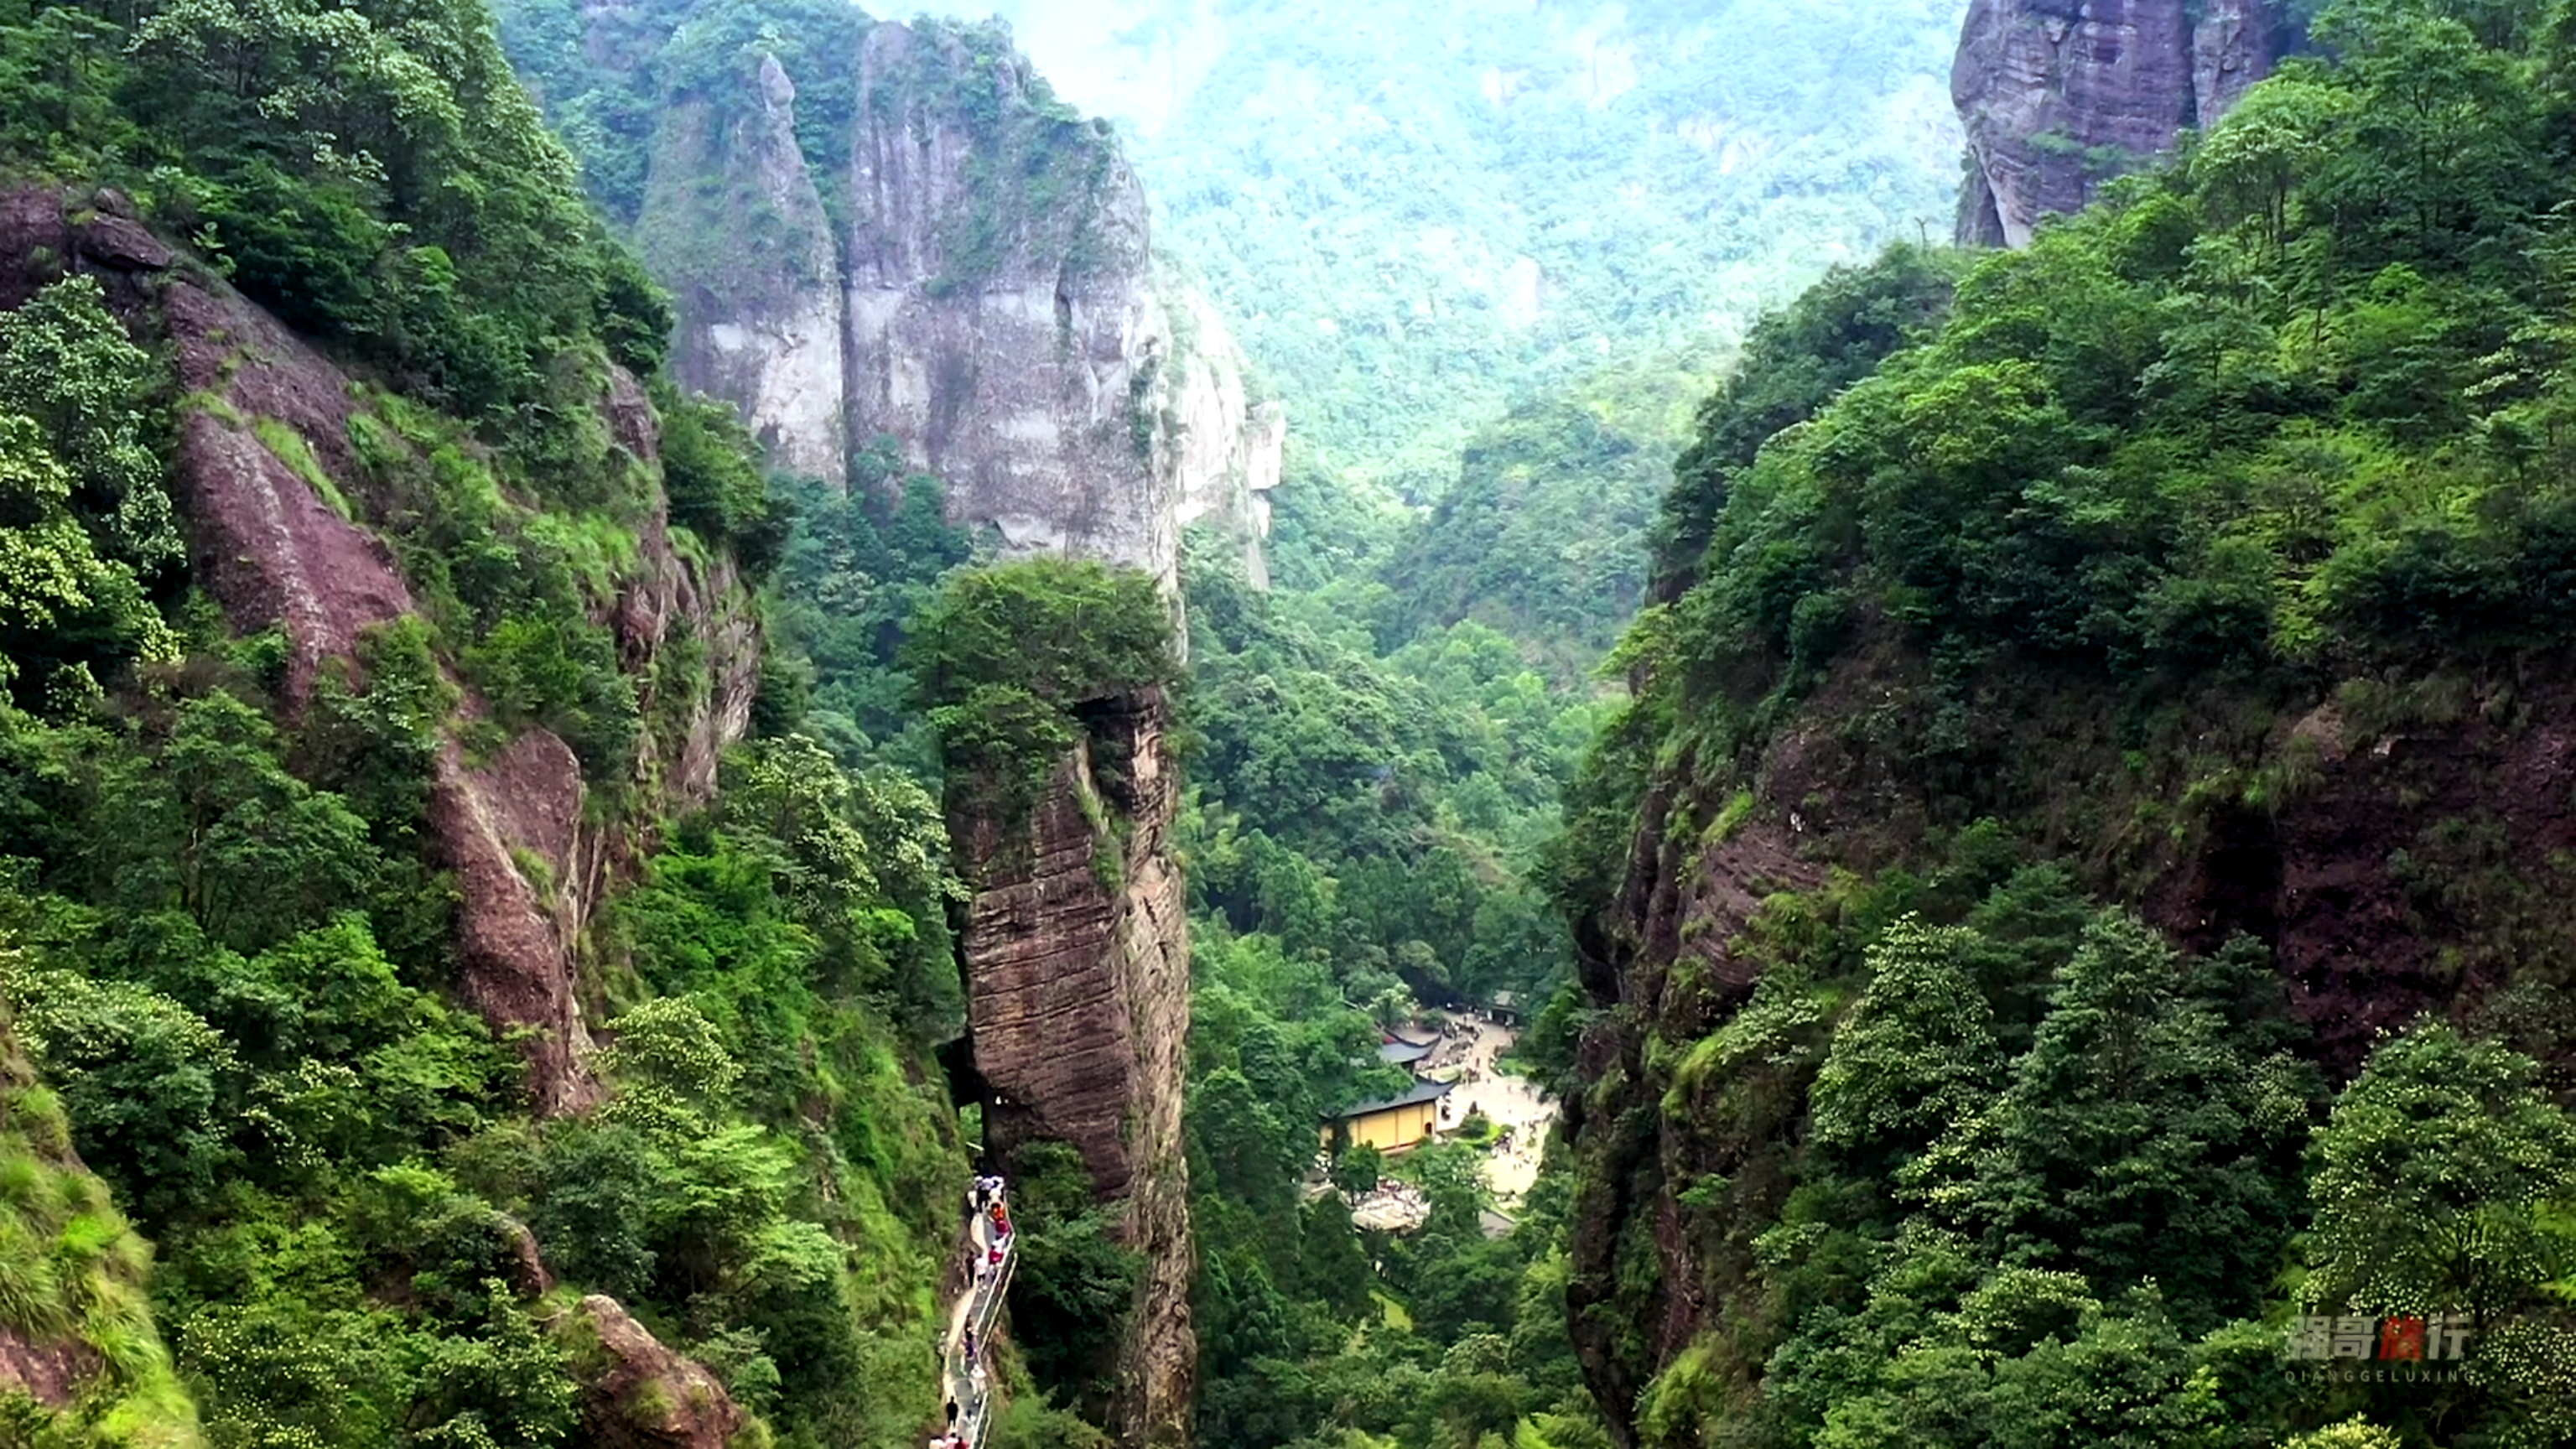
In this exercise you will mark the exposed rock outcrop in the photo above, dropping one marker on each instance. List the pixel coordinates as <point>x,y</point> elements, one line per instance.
<point>2059,96</point>
<point>276,554</point>
<point>1000,321</point>
<point>991,304</point>
<point>1224,448</point>
<point>758,306</point>
<point>1077,958</point>
<point>2409,856</point>
<point>638,1394</point>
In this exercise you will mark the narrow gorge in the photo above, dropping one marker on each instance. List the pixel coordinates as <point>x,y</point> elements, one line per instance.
<point>687,760</point>
<point>980,292</point>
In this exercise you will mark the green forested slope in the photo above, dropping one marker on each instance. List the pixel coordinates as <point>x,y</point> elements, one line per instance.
<point>1417,213</point>
<point>2080,883</point>
<point>1441,231</point>
<point>233,934</point>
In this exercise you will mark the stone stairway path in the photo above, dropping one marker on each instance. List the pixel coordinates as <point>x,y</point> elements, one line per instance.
<point>977,1310</point>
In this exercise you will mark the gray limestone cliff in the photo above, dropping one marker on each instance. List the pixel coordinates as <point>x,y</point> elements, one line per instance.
<point>2059,96</point>
<point>757,299</point>
<point>968,271</point>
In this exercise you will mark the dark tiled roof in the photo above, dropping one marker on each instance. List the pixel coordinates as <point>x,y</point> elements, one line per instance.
<point>1422,1092</point>
<point>1397,1052</point>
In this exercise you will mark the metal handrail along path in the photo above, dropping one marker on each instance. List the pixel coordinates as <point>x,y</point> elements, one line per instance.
<point>983,1310</point>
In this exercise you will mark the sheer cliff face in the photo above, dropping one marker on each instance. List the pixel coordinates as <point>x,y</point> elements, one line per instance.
<point>1224,449</point>
<point>2059,96</point>
<point>759,314</point>
<point>968,273</point>
<point>276,555</point>
<point>1000,322</point>
<point>990,302</point>
<point>1077,962</point>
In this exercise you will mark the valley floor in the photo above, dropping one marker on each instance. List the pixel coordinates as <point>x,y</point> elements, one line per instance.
<point>1513,1103</point>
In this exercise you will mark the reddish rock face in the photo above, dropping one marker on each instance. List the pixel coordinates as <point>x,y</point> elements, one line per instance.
<point>2418,856</point>
<point>52,1374</point>
<point>2059,96</point>
<point>275,554</point>
<point>1077,961</point>
<point>641,1395</point>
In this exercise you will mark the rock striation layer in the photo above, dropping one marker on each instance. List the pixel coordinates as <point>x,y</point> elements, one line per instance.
<point>943,257</point>
<point>1077,961</point>
<point>2059,96</point>
<point>988,300</point>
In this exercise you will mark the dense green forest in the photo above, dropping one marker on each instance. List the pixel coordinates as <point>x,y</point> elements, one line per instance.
<point>2046,593</point>
<point>1938,1070</point>
<point>231,936</point>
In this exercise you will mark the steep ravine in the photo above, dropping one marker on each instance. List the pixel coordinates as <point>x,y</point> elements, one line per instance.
<point>967,272</point>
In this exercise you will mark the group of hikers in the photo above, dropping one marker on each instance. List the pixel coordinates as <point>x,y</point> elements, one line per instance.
<point>984,1203</point>
<point>986,1198</point>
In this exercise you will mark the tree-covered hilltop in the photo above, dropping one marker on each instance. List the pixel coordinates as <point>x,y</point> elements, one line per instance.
<point>2080,884</point>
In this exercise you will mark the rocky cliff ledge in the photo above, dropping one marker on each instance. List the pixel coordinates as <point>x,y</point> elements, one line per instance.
<point>276,554</point>
<point>1077,958</point>
<point>2059,96</point>
<point>988,299</point>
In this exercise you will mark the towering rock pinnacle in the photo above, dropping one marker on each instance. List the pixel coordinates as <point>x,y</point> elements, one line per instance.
<point>759,312</point>
<point>1077,963</point>
<point>2059,96</point>
<point>967,272</point>
<point>965,269</point>
<point>999,319</point>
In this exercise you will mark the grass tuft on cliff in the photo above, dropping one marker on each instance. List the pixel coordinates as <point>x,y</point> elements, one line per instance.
<point>85,1362</point>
